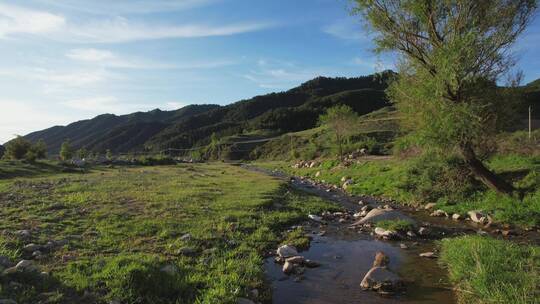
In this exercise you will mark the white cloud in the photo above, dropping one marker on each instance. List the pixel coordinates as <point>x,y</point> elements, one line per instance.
<point>346,29</point>
<point>91,55</point>
<point>108,59</point>
<point>119,29</point>
<point>118,7</point>
<point>16,20</point>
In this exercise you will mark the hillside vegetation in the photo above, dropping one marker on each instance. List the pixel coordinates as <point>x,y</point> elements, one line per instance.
<point>293,110</point>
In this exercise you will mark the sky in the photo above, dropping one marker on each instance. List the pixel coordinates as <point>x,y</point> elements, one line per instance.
<point>67,60</point>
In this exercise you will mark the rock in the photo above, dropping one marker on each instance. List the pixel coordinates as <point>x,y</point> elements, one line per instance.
<point>439,213</point>
<point>411,234</point>
<point>381,279</point>
<point>424,231</point>
<point>296,259</point>
<point>254,293</point>
<point>244,301</point>
<point>507,232</point>
<point>315,218</point>
<point>357,215</point>
<point>318,174</point>
<point>37,254</point>
<point>429,254</point>
<point>288,267</point>
<point>22,266</point>
<point>186,251</point>
<point>32,247</point>
<point>7,301</point>
<point>384,233</point>
<point>377,215</point>
<point>361,203</point>
<point>430,206</point>
<point>381,259</point>
<point>5,262</point>
<point>403,246</point>
<point>186,237</point>
<point>477,217</point>
<point>366,208</point>
<point>344,178</point>
<point>23,233</point>
<point>456,216</point>
<point>311,264</point>
<point>287,251</point>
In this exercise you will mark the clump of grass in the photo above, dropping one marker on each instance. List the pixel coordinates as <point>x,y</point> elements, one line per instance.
<point>297,238</point>
<point>130,278</point>
<point>396,225</point>
<point>487,270</point>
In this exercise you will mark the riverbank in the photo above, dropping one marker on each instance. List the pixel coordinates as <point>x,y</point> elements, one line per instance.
<point>474,268</point>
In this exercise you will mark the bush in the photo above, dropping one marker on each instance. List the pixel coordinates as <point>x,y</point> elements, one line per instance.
<point>492,271</point>
<point>17,148</point>
<point>430,178</point>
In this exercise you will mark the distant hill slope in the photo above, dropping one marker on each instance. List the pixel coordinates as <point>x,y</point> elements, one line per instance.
<point>118,133</point>
<point>275,113</point>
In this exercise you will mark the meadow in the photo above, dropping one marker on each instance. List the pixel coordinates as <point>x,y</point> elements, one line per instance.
<point>164,234</point>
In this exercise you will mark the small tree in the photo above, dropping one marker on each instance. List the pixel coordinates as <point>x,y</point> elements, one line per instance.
<point>17,148</point>
<point>108,154</point>
<point>66,152</point>
<point>82,153</point>
<point>341,119</point>
<point>40,149</point>
<point>452,55</point>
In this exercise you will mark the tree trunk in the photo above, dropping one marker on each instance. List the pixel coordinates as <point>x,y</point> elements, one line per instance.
<point>486,176</point>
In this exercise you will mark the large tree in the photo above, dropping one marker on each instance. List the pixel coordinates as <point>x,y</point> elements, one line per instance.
<point>452,53</point>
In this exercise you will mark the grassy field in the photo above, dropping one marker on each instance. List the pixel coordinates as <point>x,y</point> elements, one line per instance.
<point>169,234</point>
<point>486,270</point>
<point>411,181</point>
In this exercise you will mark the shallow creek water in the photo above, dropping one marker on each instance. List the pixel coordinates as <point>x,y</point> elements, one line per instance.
<point>346,256</point>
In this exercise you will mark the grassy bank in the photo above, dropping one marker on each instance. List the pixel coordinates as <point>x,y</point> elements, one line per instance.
<point>486,270</point>
<point>123,233</point>
<point>414,181</point>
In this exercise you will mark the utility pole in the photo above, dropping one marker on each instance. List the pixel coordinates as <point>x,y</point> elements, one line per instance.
<point>530,121</point>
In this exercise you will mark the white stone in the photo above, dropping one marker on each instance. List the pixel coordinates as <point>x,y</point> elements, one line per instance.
<point>286,251</point>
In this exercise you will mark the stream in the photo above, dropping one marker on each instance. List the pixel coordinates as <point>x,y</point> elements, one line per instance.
<point>346,255</point>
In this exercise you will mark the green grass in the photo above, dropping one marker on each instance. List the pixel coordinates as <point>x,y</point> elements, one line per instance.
<point>124,225</point>
<point>395,225</point>
<point>17,168</point>
<point>486,270</point>
<point>391,178</point>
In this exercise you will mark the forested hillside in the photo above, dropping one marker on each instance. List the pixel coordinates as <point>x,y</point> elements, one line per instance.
<point>293,110</point>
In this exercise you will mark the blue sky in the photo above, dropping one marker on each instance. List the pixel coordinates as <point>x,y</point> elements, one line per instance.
<point>66,60</point>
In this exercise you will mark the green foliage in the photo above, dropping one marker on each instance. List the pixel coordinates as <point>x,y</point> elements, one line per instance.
<point>431,177</point>
<point>492,271</point>
<point>396,225</point>
<point>82,153</point>
<point>341,120</point>
<point>17,148</point>
<point>66,152</point>
<point>40,149</point>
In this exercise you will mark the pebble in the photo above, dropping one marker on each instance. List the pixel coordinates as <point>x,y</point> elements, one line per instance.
<point>429,254</point>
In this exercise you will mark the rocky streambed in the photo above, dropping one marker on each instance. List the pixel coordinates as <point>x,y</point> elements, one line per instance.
<point>344,245</point>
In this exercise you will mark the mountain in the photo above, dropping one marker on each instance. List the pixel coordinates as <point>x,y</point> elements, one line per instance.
<point>276,113</point>
<point>2,151</point>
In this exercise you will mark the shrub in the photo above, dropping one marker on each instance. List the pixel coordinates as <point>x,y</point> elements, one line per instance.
<point>17,148</point>
<point>396,225</point>
<point>431,177</point>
